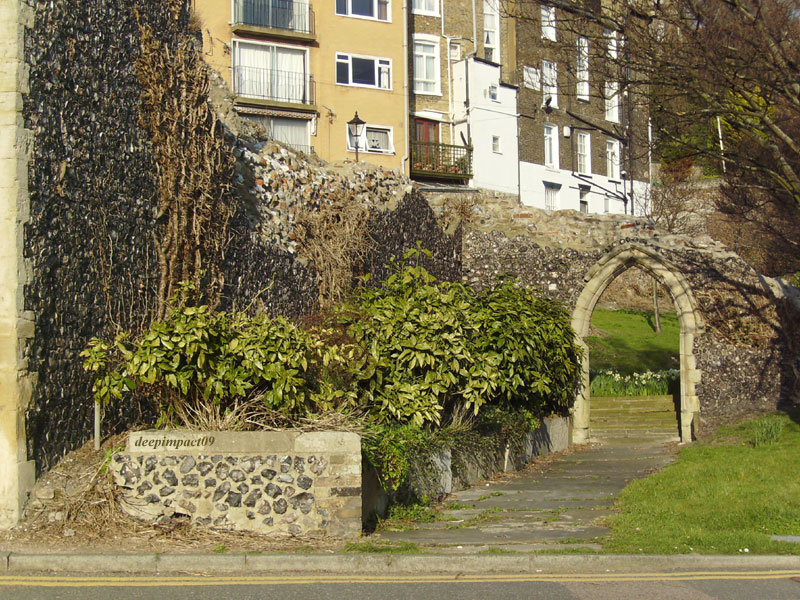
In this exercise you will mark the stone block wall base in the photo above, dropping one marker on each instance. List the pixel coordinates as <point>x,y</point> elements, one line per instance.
<point>280,483</point>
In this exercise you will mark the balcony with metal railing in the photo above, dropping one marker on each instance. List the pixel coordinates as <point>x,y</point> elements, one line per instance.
<point>432,160</point>
<point>273,87</point>
<point>281,18</point>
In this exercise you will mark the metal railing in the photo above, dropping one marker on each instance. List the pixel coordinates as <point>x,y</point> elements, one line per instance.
<point>431,159</point>
<point>271,84</point>
<point>277,14</point>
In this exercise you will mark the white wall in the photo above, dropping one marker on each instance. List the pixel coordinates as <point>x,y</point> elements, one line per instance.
<point>602,190</point>
<point>488,118</point>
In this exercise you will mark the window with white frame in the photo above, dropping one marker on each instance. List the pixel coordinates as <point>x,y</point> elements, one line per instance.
<point>496,144</point>
<point>425,7</point>
<point>551,146</point>
<point>532,78</point>
<point>612,101</point>
<point>583,143</point>
<point>364,71</point>
<point>426,64</point>
<point>583,199</point>
<point>551,195</point>
<point>612,159</point>
<point>365,9</point>
<point>376,139</point>
<point>550,83</point>
<point>549,23</point>
<point>490,30</point>
<point>493,92</point>
<point>270,72</point>
<point>582,69</point>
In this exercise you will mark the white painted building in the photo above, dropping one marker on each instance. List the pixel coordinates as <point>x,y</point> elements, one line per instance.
<point>486,116</point>
<point>551,187</point>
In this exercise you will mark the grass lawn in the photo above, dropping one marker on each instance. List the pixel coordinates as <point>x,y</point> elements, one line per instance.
<point>721,497</point>
<point>629,344</point>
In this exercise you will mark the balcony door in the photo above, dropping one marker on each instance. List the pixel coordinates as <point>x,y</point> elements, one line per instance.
<point>270,72</point>
<point>427,153</point>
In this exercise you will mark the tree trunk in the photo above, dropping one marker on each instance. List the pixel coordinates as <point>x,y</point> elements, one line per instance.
<point>656,315</point>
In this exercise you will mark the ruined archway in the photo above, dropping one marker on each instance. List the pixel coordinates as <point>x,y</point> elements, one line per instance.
<point>599,276</point>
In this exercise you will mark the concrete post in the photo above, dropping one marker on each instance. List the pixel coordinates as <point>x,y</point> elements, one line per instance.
<point>17,473</point>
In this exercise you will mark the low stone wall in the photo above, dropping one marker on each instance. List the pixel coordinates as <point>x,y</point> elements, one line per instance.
<point>270,482</point>
<point>552,435</point>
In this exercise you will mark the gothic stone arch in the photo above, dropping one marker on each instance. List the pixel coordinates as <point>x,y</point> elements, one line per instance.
<point>597,279</point>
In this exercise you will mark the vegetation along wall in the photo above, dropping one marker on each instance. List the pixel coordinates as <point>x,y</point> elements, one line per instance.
<point>113,199</point>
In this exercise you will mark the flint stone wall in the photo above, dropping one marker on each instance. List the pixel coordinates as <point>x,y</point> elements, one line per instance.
<point>281,483</point>
<point>90,261</point>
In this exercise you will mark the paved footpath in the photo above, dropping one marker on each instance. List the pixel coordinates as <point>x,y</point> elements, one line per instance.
<point>562,505</point>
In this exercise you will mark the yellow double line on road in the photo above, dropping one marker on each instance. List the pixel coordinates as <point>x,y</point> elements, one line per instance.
<point>305,579</point>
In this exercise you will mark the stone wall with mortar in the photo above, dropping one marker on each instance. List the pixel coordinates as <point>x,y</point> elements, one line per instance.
<point>272,482</point>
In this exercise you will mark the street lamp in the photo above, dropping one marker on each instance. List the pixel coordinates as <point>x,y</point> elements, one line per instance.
<point>356,126</point>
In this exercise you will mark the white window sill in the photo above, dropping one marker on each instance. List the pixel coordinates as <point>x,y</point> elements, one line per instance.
<point>363,18</point>
<point>435,93</point>
<point>425,13</point>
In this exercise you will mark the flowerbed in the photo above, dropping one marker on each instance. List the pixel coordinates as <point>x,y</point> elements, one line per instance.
<point>607,382</point>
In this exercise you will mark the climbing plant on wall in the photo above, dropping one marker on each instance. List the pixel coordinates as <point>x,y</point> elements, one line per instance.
<point>195,166</point>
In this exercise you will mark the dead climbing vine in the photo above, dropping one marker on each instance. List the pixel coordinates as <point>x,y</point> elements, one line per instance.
<point>334,238</point>
<point>195,167</point>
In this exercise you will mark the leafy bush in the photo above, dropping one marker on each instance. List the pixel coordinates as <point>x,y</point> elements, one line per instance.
<point>198,358</point>
<point>610,383</point>
<point>539,362</point>
<point>439,348</point>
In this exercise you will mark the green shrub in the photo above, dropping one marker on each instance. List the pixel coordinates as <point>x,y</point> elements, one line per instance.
<point>531,336</point>
<point>438,348</point>
<point>197,358</point>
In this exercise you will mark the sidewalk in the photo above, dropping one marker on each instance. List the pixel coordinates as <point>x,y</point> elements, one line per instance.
<point>558,508</point>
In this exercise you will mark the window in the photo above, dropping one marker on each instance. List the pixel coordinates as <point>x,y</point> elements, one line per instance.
<point>291,131</point>
<point>365,71</point>
<point>375,139</point>
<point>426,65</point>
<point>496,144</point>
<point>490,29</point>
<point>612,159</point>
<point>551,146</point>
<point>270,72</point>
<point>551,195</point>
<point>366,9</point>
<point>583,199</point>
<point>584,152</point>
<point>612,101</point>
<point>532,78</point>
<point>493,92</point>
<point>425,7</point>
<point>582,69</point>
<point>550,83</point>
<point>455,51</point>
<point>549,23</point>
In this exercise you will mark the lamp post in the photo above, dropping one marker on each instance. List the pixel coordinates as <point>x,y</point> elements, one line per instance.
<point>356,126</point>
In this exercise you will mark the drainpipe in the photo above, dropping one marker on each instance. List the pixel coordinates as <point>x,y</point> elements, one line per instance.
<point>407,144</point>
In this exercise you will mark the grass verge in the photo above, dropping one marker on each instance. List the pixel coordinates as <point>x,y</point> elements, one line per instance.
<point>724,496</point>
<point>629,344</point>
